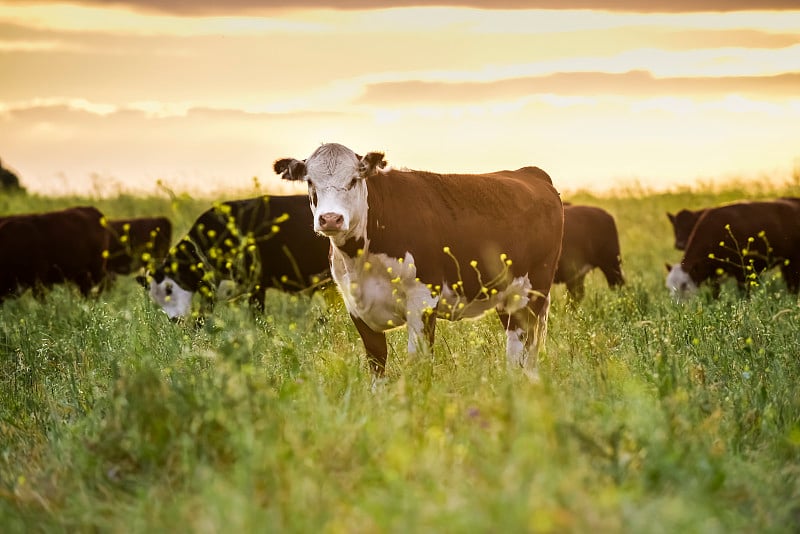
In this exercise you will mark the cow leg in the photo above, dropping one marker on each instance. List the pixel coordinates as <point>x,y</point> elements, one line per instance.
<point>257,298</point>
<point>716,286</point>
<point>576,288</point>
<point>421,328</point>
<point>430,327</point>
<point>375,344</point>
<point>89,281</point>
<point>39,290</point>
<point>526,331</point>
<point>791,274</point>
<point>613,276</point>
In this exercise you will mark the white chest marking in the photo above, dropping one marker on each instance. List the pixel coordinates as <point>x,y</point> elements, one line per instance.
<point>385,293</point>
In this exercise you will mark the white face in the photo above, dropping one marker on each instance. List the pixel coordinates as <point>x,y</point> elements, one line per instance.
<point>173,299</point>
<point>679,283</point>
<point>337,191</point>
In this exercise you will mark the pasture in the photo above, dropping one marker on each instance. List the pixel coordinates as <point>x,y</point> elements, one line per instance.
<point>649,416</point>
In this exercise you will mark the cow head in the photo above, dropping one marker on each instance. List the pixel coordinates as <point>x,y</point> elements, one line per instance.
<point>173,283</point>
<point>336,187</point>
<point>679,283</point>
<point>173,299</point>
<point>683,223</point>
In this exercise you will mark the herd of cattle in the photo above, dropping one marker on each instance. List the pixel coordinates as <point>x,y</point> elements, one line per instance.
<point>404,247</point>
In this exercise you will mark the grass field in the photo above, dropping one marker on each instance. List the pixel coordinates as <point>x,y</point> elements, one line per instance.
<point>650,416</point>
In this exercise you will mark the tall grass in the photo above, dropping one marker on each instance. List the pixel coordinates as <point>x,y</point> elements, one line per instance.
<point>650,416</point>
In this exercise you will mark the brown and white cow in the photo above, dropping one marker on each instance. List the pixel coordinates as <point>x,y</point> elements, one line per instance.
<point>137,241</point>
<point>741,240</point>
<point>256,243</point>
<point>42,249</point>
<point>590,241</point>
<point>410,246</point>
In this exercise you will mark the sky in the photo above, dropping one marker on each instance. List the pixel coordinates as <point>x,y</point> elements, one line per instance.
<point>203,96</point>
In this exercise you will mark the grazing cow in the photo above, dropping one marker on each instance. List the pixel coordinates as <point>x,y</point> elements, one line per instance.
<point>42,249</point>
<point>590,240</point>
<point>137,241</point>
<point>257,243</point>
<point>408,246</point>
<point>742,240</point>
<point>682,224</point>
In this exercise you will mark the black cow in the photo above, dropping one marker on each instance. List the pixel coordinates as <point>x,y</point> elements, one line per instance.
<point>740,240</point>
<point>257,243</point>
<point>683,222</point>
<point>42,249</point>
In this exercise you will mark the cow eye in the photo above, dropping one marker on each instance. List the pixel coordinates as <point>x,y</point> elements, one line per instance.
<point>352,183</point>
<point>312,194</point>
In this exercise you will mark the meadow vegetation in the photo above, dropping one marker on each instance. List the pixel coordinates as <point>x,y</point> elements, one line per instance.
<point>650,416</point>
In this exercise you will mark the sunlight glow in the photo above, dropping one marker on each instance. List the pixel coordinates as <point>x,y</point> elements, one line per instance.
<point>595,97</point>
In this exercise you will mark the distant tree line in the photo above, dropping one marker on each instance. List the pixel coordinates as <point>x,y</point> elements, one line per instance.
<point>9,181</point>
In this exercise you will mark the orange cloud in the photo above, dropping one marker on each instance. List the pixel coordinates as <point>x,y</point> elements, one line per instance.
<point>213,7</point>
<point>634,83</point>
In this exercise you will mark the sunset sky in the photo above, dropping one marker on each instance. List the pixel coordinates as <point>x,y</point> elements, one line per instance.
<point>205,95</point>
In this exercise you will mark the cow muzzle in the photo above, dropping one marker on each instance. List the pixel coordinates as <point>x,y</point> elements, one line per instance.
<point>331,222</point>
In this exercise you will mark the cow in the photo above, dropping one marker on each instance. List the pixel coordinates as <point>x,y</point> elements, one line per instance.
<point>682,224</point>
<point>409,246</point>
<point>741,240</point>
<point>136,242</point>
<point>590,240</point>
<point>256,243</point>
<point>40,250</point>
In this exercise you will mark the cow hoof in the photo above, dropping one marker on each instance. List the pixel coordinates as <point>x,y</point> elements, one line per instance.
<point>532,375</point>
<point>378,384</point>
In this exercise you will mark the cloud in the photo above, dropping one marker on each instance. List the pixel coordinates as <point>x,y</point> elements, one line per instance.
<point>80,111</point>
<point>214,7</point>
<point>579,140</point>
<point>631,84</point>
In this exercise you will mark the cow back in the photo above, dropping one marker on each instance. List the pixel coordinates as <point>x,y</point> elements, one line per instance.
<point>294,255</point>
<point>590,240</point>
<point>287,253</point>
<point>131,238</point>
<point>471,217</point>
<point>725,231</point>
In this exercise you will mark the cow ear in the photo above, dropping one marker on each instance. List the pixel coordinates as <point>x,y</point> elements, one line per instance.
<point>668,266</point>
<point>158,275</point>
<point>671,217</point>
<point>370,164</point>
<point>290,169</point>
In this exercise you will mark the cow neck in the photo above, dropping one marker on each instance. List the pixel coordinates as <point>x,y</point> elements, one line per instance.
<point>185,276</point>
<point>352,246</point>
